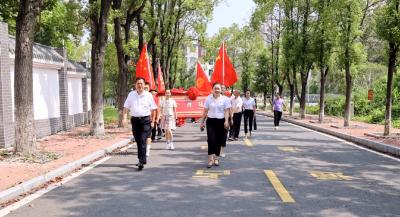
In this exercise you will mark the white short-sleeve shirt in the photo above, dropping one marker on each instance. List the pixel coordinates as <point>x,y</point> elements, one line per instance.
<point>167,106</point>
<point>237,104</point>
<point>248,104</point>
<point>216,107</point>
<point>140,105</point>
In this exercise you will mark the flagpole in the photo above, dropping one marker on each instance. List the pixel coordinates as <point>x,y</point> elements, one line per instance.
<point>148,65</point>
<point>223,62</point>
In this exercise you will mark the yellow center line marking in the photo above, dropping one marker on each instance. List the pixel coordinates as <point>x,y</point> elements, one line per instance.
<point>278,186</point>
<point>211,174</point>
<point>288,149</point>
<point>220,172</point>
<point>329,175</point>
<point>248,142</point>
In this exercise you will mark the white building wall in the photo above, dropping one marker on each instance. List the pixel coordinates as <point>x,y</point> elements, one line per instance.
<point>46,97</point>
<point>75,102</point>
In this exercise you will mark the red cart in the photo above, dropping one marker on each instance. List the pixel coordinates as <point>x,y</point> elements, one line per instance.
<point>186,107</point>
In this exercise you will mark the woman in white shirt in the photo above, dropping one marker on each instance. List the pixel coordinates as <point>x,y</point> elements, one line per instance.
<point>216,111</point>
<point>168,117</point>
<point>249,110</point>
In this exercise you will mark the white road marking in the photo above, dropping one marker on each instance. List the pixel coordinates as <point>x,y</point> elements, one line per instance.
<point>347,142</point>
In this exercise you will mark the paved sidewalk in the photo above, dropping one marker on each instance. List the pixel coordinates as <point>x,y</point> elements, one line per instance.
<point>67,146</point>
<point>355,133</point>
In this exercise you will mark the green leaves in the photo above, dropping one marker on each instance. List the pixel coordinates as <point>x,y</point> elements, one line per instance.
<point>388,21</point>
<point>63,21</point>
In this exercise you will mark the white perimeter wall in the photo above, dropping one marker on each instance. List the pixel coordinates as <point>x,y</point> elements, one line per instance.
<point>46,98</point>
<point>75,102</point>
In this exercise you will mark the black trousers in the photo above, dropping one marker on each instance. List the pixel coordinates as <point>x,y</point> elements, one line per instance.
<point>156,130</point>
<point>141,129</point>
<point>215,135</point>
<point>248,119</point>
<point>226,133</point>
<point>277,118</point>
<point>235,129</point>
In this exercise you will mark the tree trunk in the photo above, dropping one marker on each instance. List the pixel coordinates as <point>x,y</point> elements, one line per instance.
<point>154,58</point>
<point>140,32</point>
<point>265,100</point>
<point>122,88</point>
<point>349,86</point>
<point>322,96</point>
<point>291,86</point>
<point>303,99</point>
<point>391,69</point>
<point>280,88</point>
<point>347,65</point>
<point>99,39</point>
<point>25,136</point>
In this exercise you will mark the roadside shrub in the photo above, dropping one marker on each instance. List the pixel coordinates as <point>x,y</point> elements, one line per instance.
<point>377,116</point>
<point>335,106</point>
<point>362,106</point>
<point>312,109</point>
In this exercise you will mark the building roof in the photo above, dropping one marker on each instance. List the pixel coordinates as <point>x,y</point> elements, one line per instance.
<point>48,55</point>
<point>41,53</point>
<point>75,66</point>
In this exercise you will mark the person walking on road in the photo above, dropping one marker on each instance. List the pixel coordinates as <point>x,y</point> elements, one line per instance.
<point>168,117</point>
<point>223,146</point>
<point>216,112</point>
<point>277,106</point>
<point>237,104</point>
<point>141,106</point>
<point>156,131</point>
<point>249,110</point>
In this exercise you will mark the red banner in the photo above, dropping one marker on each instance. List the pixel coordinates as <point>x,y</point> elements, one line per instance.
<point>187,108</point>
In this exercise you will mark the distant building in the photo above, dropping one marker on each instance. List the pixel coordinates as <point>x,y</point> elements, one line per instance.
<point>193,53</point>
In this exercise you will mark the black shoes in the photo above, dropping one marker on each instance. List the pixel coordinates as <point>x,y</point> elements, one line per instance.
<point>140,166</point>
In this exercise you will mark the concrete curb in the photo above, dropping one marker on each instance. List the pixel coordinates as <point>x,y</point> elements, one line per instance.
<point>377,146</point>
<point>29,185</point>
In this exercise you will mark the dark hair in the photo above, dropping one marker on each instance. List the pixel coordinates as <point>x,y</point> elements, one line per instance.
<point>216,83</point>
<point>140,78</point>
<point>153,90</point>
<point>146,83</point>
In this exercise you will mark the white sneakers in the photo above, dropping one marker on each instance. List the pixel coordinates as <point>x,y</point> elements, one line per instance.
<point>276,128</point>
<point>170,146</point>
<point>148,150</point>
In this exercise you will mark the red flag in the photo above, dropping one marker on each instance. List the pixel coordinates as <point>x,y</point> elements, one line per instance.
<point>143,68</point>
<point>202,82</point>
<point>160,81</point>
<point>224,72</point>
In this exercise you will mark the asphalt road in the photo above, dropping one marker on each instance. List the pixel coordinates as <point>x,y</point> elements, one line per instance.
<point>316,175</point>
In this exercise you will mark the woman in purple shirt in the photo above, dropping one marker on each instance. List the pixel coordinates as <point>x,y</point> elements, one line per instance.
<point>277,105</point>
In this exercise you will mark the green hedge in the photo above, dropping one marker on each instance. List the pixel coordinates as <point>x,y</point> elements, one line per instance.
<point>365,110</point>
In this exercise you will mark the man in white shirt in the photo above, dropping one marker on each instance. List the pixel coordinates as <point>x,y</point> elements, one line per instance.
<point>141,106</point>
<point>237,104</point>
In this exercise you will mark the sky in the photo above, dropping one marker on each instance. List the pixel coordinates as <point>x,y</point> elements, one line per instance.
<point>228,12</point>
